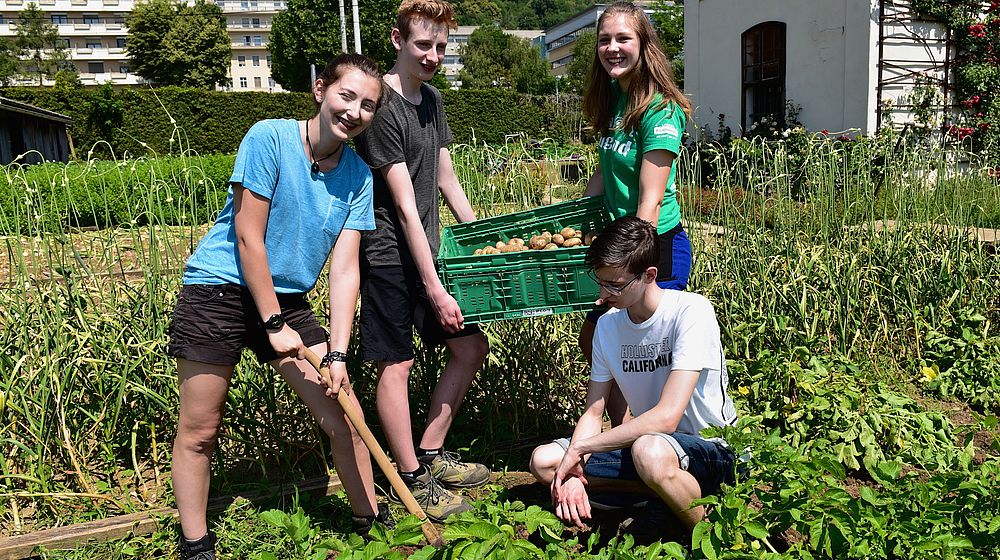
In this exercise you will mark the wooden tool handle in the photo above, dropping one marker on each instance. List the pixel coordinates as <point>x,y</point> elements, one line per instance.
<point>403,491</point>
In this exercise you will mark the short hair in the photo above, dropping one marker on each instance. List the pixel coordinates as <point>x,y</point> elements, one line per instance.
<point>338,66</point>
<point>628,242</point>
<point>437,11</point>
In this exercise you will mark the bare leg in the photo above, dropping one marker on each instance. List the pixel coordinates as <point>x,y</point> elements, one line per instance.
<point>616,407</point>
<point>657,465</point>
<point>392,400</point>
<point>467,355</point>
<point>350,455</point>
<point>203,390</point>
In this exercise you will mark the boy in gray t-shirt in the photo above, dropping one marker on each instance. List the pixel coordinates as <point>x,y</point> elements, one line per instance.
<point>407,147</point>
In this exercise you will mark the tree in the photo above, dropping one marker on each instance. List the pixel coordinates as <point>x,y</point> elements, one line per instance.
<point>38,45</point>
<point>308,32</point>
<point>668,18</point>
<point>173,43</point>
<point>579,68</point>
<point>477,12</point>
<point>8,61</point>
<point>493,58</point>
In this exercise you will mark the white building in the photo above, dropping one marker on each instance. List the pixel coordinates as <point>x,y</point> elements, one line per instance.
<point>849,64</point>
<point>459,37</point>
<point>94,33</point>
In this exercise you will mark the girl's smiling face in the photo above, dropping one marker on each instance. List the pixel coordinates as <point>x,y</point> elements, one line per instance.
<point>618,48</point>
<point>347,106</point>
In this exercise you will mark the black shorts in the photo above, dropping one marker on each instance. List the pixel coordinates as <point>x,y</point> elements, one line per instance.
<point>213,323</point>
<point>393,303</point>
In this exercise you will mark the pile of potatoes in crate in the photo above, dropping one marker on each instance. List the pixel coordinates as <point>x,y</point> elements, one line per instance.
<point>545,241</point>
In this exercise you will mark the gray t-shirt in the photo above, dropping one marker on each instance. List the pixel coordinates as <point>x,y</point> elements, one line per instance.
<point>414,134</point>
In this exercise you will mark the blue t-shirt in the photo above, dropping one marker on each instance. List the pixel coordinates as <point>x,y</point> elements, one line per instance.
<point>307,212</point>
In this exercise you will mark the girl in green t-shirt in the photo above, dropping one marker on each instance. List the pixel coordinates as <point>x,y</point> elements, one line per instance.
<point>639,114</point>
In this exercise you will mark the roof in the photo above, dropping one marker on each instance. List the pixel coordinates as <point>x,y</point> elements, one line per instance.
<point>30,110</point>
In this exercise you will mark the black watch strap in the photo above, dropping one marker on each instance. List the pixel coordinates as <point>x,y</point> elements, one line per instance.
<point>274,322</point>
<point>331,357</point>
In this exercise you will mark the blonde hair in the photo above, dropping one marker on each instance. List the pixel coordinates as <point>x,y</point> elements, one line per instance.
<point>437,11</point>
<point>652,75</point>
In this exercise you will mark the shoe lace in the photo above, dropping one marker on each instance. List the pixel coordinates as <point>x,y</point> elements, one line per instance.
<point>435,492</point>
<point>451,458</point>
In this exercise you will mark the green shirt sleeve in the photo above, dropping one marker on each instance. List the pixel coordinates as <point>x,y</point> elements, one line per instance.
<point>661,129</point>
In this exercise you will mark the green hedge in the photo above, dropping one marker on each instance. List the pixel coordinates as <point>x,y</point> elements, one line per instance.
<point>58,197</point>
<point>143,122</point>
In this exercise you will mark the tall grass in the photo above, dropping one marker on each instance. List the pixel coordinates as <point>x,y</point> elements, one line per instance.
<point>89,396</point>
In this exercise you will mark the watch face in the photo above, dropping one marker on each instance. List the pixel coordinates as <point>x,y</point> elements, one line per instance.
<point>274,322</point>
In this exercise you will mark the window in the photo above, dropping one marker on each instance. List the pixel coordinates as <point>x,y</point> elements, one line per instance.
<point>59,18</point>
<point>120,42</point>
<point>255,22</point>
<point>62,42</point>
<point>95,67</point>
<point>245,22</point>
<point>256,82</point>
<point>119,19</point>
<point>763,74</point>
<point>452,59</point>
<point>91,19</point>
<point>270,83</point>
<point>246,40</point>
<point>241,61</point>
<point>256,60</point>
<point>245,4</point>
<point>93,43</point>
<point>268,61</point>
<point>258,40</point>
<point>123,69</point>
<point>243,82</point>
<point>277,3</point>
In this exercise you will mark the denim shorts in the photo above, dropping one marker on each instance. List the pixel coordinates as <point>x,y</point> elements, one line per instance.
<point>709,461</point>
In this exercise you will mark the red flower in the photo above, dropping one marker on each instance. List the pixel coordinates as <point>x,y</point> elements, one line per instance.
<point>825,132</point>
<point>977,30</point>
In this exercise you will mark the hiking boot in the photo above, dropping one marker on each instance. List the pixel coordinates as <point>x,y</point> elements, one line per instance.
<point>363,525</point>
<point>201,549</point>
<point>437,502</point>
<point>449,469</point>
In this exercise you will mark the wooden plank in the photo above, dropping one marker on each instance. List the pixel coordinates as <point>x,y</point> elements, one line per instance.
<point>141,523</point>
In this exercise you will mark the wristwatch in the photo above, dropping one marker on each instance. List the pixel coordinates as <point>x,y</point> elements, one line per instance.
<point>274,322</point>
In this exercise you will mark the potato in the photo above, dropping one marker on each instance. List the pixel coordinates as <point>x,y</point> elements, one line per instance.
<point>567,232</point>
<point>589,238</point>
<point>478,252</point>
<point>572,242</point>
<point>537,242</point>
<point>491,251</point>
<point>516,241</point>
<point>500,245</point>
<point>551,246</point>
<point>547,236</point>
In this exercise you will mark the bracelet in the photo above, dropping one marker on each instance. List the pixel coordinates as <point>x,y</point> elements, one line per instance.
<point>331,357</point>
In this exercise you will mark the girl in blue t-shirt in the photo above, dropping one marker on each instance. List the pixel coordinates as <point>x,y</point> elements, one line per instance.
<point>298,195</point>
<point>638,114</point>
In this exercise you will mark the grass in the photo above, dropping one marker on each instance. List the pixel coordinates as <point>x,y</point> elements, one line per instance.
<point>808,290</point>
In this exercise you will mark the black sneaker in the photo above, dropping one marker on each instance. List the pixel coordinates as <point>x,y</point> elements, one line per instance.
<point>363,524</point>
<point>201,549</point>
<point>437,502</point>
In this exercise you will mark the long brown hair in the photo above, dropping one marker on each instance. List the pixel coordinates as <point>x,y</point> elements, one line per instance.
<point>652,75</point>
<point>340,64</point>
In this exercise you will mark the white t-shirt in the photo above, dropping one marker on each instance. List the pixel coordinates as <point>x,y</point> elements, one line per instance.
<point>682,334</point>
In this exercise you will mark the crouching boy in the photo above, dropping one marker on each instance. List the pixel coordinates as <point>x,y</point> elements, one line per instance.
<point>664,350</point>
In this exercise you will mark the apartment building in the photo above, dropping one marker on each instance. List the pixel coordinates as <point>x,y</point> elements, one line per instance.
<point>94,33</point>
<point>561,38</point>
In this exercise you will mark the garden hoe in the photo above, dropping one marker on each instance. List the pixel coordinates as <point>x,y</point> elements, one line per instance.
<point>354,415</point>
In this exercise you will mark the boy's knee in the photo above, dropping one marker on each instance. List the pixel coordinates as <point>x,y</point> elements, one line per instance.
<point>472,348</point>
<point>544,460</point>
<point>654,457</point>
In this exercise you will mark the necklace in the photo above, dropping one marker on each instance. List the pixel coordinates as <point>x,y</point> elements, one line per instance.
<point>315,164</point>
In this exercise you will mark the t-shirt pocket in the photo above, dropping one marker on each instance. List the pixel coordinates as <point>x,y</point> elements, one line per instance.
<point>336,216</point>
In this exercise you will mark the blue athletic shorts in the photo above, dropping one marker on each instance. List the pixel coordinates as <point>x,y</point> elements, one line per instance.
<point>710,462</point>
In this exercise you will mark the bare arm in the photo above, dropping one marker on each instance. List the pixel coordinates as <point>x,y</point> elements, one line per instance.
<point>663,417</point>
<point>595,186</point>
<point>250,212</point>
<point>397,177</point>
<point>569,496</point>
<point>452,191</point>
<point>653,175</point>
<point>344,285</point>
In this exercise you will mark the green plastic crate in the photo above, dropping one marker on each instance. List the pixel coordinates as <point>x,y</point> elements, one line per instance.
<point>525,283</point>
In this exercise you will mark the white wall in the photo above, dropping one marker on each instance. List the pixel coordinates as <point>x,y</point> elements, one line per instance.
<point>831,54</point>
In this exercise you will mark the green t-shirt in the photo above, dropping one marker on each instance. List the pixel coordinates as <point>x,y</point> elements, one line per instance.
<point>621,158</point>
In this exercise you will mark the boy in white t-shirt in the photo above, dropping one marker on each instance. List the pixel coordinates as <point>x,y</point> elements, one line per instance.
<point>664,350</point>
